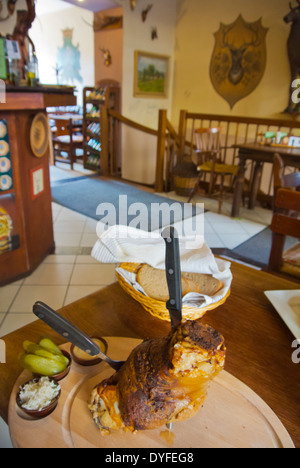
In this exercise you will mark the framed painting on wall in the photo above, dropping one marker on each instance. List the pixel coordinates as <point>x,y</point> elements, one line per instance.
<point>151,75</point>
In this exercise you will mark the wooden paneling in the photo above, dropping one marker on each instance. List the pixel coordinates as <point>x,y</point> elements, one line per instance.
<point>21,100</point>
<point>34,214</point>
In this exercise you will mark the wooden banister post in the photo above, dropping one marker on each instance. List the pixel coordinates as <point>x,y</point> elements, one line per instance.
<point>104,153</point>
<point>182,134</point>
<point>160,155</point>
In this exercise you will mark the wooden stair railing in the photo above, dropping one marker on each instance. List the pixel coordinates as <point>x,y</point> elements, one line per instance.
<point>111,125</point>
<point>167,149</point>
<point>236,130</point>
<point>172,146</point>
<point>167,144</point>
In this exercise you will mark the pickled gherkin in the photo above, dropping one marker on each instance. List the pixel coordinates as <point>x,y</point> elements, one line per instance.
<point>50,346</point>
<point>44,358</point>
<point>32,348</point>
<point>41,365</point>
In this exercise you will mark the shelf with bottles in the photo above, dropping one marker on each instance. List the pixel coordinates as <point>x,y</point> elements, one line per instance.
<point>93,130</point>
<point>93,114</point>
<point>92,141</point>
<point>13,70</point>
<point>93,145</point>
<point>92,162</point>
<point>95,96</point>
<point>94,100</point>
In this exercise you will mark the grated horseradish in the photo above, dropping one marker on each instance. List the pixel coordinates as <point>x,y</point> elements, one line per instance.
<point>38,395</point>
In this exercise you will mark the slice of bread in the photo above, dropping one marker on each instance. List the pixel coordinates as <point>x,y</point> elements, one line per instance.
<point>154,283</point>
<point>207,284</point>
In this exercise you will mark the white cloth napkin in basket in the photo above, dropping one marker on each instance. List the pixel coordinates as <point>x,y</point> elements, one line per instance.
<point>124,244</point>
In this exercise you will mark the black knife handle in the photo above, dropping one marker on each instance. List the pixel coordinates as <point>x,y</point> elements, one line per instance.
<point>173,274</point>
<point>65,328</point>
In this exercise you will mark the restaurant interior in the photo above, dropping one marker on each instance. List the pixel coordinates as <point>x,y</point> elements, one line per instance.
<point>128,105</point>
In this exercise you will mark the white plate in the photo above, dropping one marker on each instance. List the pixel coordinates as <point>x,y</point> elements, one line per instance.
<point>280,300</point>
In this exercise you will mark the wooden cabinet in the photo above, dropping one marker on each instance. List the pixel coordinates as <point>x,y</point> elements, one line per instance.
<point>96,104</point>
<point>26,227</point>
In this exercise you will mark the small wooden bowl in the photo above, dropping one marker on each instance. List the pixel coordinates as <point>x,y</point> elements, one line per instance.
<point>38,414</point>
<point>89,362</point>
<point>62,374</point>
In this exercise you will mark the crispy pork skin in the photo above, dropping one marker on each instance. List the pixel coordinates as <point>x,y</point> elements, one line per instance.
<point>164,380</point>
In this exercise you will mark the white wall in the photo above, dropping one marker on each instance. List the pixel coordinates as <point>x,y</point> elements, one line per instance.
<point>47,35</point>
<point>197,21</point>
<point>138,149</point>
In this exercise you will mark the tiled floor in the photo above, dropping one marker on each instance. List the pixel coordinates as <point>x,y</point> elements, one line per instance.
<point>62,278</point>
<point>72,273</point>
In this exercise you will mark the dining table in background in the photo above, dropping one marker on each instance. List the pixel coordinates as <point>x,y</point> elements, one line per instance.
<point>259,154</point>
<point>77,119</point>
<point>67,116</point>
<point>258,342</point>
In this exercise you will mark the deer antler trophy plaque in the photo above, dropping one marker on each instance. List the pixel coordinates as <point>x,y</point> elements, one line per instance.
<point>239,59</point>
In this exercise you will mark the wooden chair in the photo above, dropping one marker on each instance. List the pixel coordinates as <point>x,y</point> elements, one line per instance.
<point>208,141</point>
<point>66,139</point>
<point>284,261</point>
<point>283,225</point>
<point>282,180</point>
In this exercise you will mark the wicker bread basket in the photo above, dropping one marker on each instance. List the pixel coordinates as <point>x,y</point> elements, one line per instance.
<point>158,308</point>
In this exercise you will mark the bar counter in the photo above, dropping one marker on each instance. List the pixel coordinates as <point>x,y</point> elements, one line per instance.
<point>25,194</point>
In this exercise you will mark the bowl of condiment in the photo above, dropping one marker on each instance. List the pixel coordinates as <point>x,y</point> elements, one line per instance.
<point>38,397</point>
<point>85,359</point>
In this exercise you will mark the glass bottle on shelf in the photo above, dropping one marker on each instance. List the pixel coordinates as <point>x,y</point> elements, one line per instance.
<point>32,70</point>
<point>14,72</point>
<point>36,67</point>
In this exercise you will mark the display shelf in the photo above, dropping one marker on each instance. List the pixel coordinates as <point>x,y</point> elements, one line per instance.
<point>94,136</point>
<point>92,118</point>
<point>92,150</point>
<point>7,192</point>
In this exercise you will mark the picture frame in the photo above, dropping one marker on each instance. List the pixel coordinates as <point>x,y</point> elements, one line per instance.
<point>151,75</point>
<point>37,181</point>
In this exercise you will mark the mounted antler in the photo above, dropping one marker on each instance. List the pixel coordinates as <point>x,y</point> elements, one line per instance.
<point>254,42</point>
<point>10,8</point>
<point>133,4</point>
<point>107,56</point>
<point>145,12</point>
<point>105,22</point>
<point>293,8</point>
<point>237,51</point>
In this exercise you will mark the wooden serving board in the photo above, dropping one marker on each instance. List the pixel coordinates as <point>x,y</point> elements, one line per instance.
<point>232,416</point>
